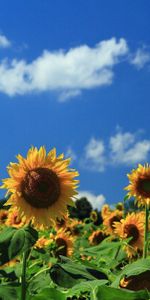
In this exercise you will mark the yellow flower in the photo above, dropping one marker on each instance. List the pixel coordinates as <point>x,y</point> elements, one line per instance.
<point>111,217</point>
<point>14,219</point>
<point>97,237</point>
<point>42,242</point>
<point>64,243</point>
<point>93,216</point>
<point>131,226</point>
<point>3,216</point>
<point>41,186</point>
<point>74,227</point>
<point>139,186</point>
<point>120,206</point>
<point>105,211</point>
<point>61,223</point>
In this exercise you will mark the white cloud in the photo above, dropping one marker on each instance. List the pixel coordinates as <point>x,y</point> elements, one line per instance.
<point>94,156</point>
<point>67,73</point>
<point>4,42</point>
<point>96,201</point>
<point>141,58</point>
<point>126,149</point>
<point>122,149</point>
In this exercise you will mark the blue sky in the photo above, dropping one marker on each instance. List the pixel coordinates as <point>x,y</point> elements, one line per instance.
<point>75,75</point>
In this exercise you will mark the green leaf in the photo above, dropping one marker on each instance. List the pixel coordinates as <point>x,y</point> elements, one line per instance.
<point>7,292</point>
<point>39,282</point>
<point>105,249</point>
<point>138,267</point>
<point>70,273</point>
<point>14,241</point>
<point>6,235</point>
<point>51,294</point>
<point>87,286</point>
<point>109,293</point>
<point>126,198</point>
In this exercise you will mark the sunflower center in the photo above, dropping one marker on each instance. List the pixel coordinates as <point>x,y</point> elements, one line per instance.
<point>144,187</point>
<point>17,220</point>
<point>131,231</point>
<point>40,187</point>
<point>98,238</point>
<point>114,219</point>
<point>62,247</point>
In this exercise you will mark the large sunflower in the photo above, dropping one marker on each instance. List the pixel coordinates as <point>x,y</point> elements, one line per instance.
<point>139,186</point>
<point>41,186</point>
<point>131,227</point>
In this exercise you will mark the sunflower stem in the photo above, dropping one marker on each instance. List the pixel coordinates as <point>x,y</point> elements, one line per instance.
<point>23,276</point>
<point>146,231</point>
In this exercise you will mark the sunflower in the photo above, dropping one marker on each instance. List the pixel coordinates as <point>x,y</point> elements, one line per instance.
<point>120,206</point>
<point>93,216</point>
<point>131,227</point>
<point>139,186</point>
<point>41,186</point>
<point>42,242</point>
<point>14,219</point>
<point>74,227</point>
<point>97,237</point>
<point>110,219</point>
<point>105,211</point>
<point>64,244</point>
<point>61,223</point>
<point>3,216</point>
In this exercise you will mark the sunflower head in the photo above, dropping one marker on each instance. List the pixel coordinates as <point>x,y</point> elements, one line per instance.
<point>42,242</point>
<point>120,206</point>
<point>93,216</point>
<point>139,186</point>
<point>64,244</point>
<point>3,216</point>
<point>109,221</point>
<point>97,237</point>
<point>105,211</point>
<point>14,219</point>
<point>41,186</point>
<point>131,227</point>
<point>74,227</point>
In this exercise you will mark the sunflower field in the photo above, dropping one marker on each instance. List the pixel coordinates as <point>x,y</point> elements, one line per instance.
<point>49,249</point>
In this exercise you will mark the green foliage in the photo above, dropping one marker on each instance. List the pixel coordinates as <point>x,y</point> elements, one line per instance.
<point>70,273</point>
<point>138,267</point>
<point>109,293</point>
<point>50,293</point>
<point>15,241</point>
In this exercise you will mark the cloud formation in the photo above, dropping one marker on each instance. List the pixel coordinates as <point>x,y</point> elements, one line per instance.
<point>140,59</point>
<point>122,149</point>
<point>65,72</point>
<point>4,42</point>
<point>96,201</point>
